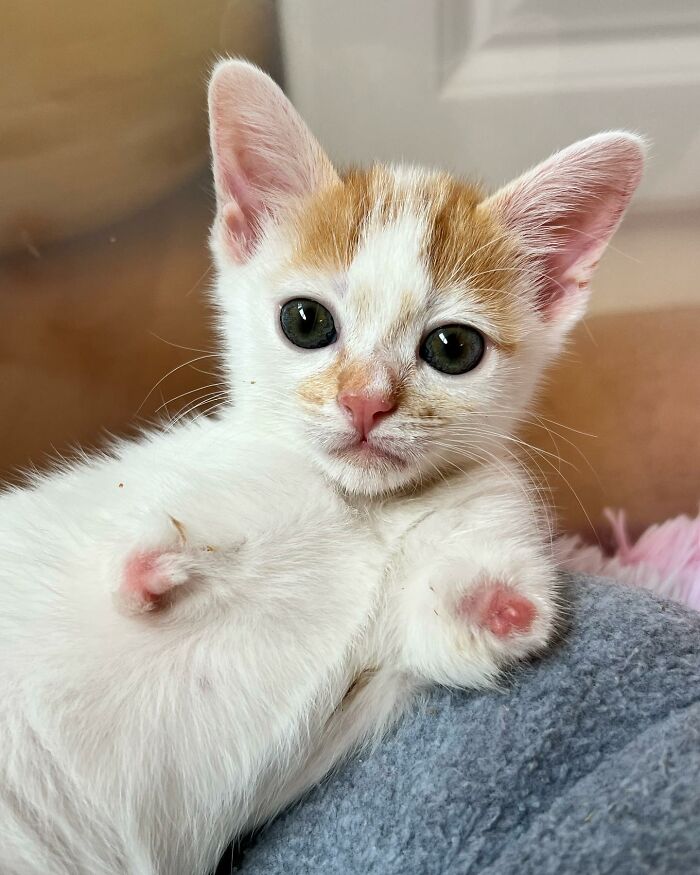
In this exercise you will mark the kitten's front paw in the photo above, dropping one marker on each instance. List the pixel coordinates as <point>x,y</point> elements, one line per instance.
<point>508,614</point>
<point>495,606</point>
<point>465,624</point>
<point>149,578</point>
<point>150,575</point>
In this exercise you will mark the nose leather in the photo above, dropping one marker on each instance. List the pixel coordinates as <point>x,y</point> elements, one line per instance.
<point>365,411</point>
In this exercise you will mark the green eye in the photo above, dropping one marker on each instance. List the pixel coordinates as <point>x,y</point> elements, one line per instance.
<point>453,349</point>
<point>307,324</point>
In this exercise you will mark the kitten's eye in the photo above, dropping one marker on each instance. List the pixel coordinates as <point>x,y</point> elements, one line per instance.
<point>307,324</point>
<point>453,349</point>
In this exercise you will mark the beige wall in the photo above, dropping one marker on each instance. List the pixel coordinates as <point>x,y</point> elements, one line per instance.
<point>654,262</point>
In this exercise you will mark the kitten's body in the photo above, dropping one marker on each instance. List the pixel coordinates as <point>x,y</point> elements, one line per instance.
<point>355,516</point>
<point>143,743</point>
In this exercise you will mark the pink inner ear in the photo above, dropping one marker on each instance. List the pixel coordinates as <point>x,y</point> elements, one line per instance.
<point>241,214</point>
<point>240,206</point>
<point>565,210</point>
<point>263,154</point>
<point>245,212</point>
<point>568,268</point>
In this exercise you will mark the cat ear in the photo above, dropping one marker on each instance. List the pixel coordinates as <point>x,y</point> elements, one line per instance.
<point>263,155</point>
<point>564,212</point>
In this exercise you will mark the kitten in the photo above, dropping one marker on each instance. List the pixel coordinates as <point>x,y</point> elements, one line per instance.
<point>180,620</point>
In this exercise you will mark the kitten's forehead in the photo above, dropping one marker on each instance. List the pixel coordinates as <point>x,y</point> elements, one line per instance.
<point>388,285</point>
<point>404,237</point>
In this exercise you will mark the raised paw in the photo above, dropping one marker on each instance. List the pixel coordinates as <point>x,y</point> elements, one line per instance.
<point>464,625</point>
<point>150,575</point>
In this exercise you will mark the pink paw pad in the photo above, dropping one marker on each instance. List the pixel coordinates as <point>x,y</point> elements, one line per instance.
<point>499,609</point>
<point>147,577</point>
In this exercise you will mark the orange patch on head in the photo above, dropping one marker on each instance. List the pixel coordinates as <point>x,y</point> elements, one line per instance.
<point>467,245</point>
<point>329,224</point>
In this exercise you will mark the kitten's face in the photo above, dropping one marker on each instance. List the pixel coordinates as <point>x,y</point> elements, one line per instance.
<point>394,340</point>
<point>389,329</point>
<point>396,320</point>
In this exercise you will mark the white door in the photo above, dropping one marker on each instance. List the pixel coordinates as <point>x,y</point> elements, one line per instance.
<point>490,86</point>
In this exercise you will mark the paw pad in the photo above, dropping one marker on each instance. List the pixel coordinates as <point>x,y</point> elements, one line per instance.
<point>498,608</point>
<point>147,576</point>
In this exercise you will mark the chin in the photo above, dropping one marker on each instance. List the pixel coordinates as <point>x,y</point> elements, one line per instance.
<point>363,470</point>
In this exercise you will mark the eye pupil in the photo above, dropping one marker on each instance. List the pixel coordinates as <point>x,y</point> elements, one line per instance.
<point>453,346</point>
<point>308,320</point>
<point>307,323</point>
<point>453,349</point>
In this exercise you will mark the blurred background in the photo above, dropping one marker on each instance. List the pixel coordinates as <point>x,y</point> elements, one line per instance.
<point>105,202</point>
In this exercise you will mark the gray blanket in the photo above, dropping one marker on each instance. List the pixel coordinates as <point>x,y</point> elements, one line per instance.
<point>589,763</point>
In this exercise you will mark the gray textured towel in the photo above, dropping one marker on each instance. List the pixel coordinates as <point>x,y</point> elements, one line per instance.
<point>590,763</point>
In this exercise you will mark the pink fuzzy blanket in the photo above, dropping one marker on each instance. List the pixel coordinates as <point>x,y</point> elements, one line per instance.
<point>665,559</point>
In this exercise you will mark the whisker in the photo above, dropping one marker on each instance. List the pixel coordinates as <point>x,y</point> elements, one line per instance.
<point>172,371</point>
<point>189,392</point>
<point>197,282</point>
<point>177,345</point>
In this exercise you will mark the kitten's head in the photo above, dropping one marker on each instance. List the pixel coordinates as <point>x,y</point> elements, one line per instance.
<point>395,319</point>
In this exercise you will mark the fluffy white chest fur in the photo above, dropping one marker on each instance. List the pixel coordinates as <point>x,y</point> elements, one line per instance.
<point>197,627</point>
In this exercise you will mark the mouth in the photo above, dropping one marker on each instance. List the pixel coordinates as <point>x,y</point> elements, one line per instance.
<point>366,453</point>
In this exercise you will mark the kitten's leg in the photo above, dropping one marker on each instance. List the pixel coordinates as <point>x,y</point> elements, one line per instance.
<point>476,590</point>
<point>149,576</point>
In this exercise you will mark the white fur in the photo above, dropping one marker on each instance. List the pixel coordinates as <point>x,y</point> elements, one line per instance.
<point>142,743</point>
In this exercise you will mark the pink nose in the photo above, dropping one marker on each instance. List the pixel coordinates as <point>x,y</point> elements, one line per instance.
<point>365,410</point>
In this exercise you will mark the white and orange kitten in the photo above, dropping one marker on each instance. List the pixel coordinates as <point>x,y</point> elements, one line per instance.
<point>181,619</point>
